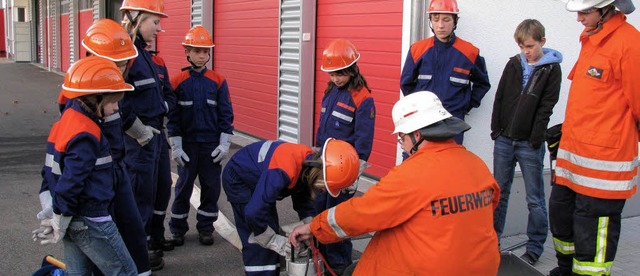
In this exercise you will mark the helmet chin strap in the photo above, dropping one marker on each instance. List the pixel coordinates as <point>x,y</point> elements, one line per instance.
<point>416,144</point>
<point>198,67</point>
<point>603,14</point>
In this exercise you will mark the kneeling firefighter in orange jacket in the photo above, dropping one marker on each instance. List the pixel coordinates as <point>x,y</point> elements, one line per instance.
<point>428,221</point>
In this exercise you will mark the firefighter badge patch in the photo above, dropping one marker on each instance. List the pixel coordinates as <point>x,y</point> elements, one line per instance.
<point>594,72</point>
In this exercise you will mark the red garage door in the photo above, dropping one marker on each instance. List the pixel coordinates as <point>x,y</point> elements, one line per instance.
<point>375,27</point>
<point>170,41</point>
<point>246,53</point>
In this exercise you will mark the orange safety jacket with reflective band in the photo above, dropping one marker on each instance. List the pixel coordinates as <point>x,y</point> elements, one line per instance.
<point>598,154</point>
<point>428,219</point>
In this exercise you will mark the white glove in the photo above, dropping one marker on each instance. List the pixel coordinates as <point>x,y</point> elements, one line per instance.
<point>177,154</point>
<point>44,232</point>
<point>59,223</point>
<point>223,148</point>
<point>270,240</point>
<point>45,203</point>
<point>141,132</point>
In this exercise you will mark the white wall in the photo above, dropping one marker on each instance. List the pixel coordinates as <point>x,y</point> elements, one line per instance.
<point>490,25</point>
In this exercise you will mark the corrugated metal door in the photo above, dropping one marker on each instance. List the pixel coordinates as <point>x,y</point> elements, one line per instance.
<point>295,73</point>
<point>246,53</point>
<point>53,34</point>
<point>375,27</point>
<point>66,38</point>
<point>196,12</point>
<point>42,32</point>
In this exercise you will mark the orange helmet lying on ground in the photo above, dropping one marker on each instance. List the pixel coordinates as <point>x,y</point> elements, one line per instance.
<point>108,39</point>
<point>340,165</point>
<point>198,37</point>
<point>93,75</point>
<point>339,54</point>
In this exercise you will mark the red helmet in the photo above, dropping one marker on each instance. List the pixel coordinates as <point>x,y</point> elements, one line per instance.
<point>443,6</point>
<point>93,75</point>
<point>150,6</point>
<point>340,165</point>
<point>338,55</point>
<point>198,37</point>
<point>108,39</point>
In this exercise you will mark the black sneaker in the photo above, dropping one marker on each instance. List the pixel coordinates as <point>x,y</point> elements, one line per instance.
<point>530,257</point>
<point>560,271</point>
<point>177,239</point>
<point>205,238</point>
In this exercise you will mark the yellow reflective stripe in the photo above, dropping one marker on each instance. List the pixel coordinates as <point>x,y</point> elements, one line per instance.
<point>601,239</point>
<point>592,268</point>
<point>597,164</point>
<point>596,183</point>
<point>331,219</point>
<point>566,248</point>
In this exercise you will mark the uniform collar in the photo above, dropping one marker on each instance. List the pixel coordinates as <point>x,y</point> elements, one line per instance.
<point>436,146</point>
<point>77,106</point>
<point>608,27</point>
<point>195,73</point>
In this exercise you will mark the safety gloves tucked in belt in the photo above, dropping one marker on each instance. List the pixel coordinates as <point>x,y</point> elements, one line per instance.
<point>59,223</point>
<point>221,151</point>
<point>141,132</point>
<point>177,154</point>
<point>353,188</point>
<point>270,240</point>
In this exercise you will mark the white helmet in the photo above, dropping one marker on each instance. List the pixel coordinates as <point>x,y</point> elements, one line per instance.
<point>417,110</point>
<point>580,5</point>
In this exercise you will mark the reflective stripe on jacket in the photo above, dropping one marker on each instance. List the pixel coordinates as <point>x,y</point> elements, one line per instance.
<point>598,153</point>
<point>454,71</point>
<point>428,221</point>
<point>348,116</point>
<point>203,107</point>
<point>263,173</point>
<point>78,167</point>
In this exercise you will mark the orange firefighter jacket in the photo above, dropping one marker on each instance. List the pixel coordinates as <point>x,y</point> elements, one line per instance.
<point>598,154</point>
<point>433,215</point>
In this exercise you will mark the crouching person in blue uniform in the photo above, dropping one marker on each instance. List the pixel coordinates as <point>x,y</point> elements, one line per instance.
<point>79,172</point>
<point>200,131</point>
<point>260,174</point>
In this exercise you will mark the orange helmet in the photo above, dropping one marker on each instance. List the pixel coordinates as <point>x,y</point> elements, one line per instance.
<point>338,55</point>
<point>150,6</point>
<point>93,75</point>
<point>443,6</point>
<point>198,37</point>
<point>340,165</point>
<point>108,39</point>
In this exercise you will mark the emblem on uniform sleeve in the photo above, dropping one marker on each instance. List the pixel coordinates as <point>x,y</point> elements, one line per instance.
<point>594,72</point>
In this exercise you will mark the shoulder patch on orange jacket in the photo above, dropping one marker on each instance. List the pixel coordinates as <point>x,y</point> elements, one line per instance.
<point>214,76</point>
<point>178,79</point>
<point>289,157</point>
<point>420,47</point>
<point>467,49</point>
<point>360,95</point>
<point>70,125</point>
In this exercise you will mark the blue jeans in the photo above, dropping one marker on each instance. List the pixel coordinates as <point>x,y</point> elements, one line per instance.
<point>505,155</point>
<point>88,244</point>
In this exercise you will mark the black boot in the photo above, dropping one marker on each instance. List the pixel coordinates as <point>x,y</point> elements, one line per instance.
<point>205,238</point>
<point>177,239</point>
<point>155,260</point>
